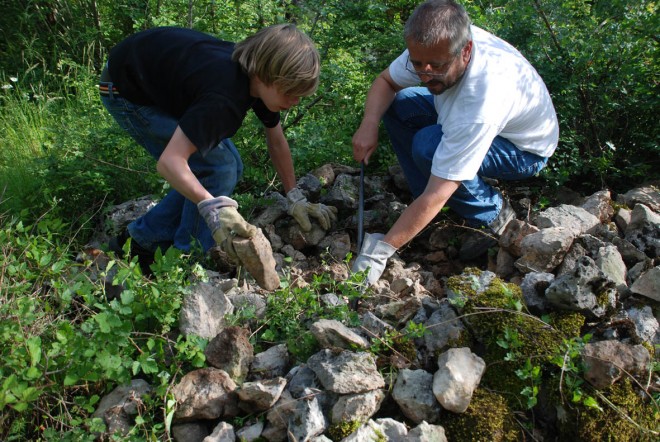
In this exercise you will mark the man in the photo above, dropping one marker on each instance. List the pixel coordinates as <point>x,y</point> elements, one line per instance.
<point>485,112</point>
<point>181,94</point>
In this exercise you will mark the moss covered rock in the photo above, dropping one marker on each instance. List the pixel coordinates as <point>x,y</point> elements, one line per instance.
<point>488,418</point>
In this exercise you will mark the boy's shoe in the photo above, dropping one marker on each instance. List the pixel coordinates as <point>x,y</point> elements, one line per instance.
<point>145,257</point>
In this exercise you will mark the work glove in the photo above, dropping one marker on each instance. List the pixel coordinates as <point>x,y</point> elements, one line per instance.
<point>222,217</point>
<point>373,256</point>
<point>301,209</point>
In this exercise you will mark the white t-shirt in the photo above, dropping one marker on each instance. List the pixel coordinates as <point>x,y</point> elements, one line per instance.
<point>500,94</point>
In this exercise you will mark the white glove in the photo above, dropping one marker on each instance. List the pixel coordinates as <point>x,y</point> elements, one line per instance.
<point>373,256</point>
<point>301,209</point>
<point>222,217</point>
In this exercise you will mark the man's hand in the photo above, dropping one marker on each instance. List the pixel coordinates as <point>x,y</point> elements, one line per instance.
<point>301,209</point>
<point>365,142</point>
<point>222,217</point>
<point>373,256</point>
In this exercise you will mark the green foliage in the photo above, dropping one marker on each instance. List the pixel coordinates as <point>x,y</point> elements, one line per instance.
<point>598,61</point>
<point>397,346</point>
<point>63,343</point>
<point>569,361</point>
<point>291,309</point>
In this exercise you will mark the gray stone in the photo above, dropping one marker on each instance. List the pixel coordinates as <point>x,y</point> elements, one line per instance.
<point>413,393</point>
<point>648,284</point>
<point>332,333</point>
<point>203,311</point>
<point>544,250</point>
<point>459,373</point>
<point>270,364</point>
<point>256,256</point>
<point>427,433</point>
<point>223,432</point>
<point>346,372</point>
<point>207,393</point>
<point>608,361</point>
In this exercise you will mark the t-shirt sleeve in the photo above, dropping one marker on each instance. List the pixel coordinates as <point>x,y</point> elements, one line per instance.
<point>462,150</point>
<point>267,117</point>
<point>400,75</point>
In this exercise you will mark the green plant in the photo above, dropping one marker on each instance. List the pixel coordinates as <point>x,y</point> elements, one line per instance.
<point>63,343</point>
<point>396,347</point>
<point>569,361</point>
<point>291,309</point>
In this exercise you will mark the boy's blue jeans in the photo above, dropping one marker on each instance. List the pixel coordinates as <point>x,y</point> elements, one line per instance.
<point>175,220</point>
<point>411,122</point>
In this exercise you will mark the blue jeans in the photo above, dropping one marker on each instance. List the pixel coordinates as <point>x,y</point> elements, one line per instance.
<point>411,122</point>
<point>175,220</point>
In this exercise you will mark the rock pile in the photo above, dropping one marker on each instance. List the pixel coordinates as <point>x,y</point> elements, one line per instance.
<point>491,310</point>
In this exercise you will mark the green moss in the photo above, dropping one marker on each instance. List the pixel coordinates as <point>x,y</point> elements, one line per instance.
<point>569,324</point>
<point>611,424</point>
<point>341,430</point>
<point>487,418</point>
<point>510,337</point>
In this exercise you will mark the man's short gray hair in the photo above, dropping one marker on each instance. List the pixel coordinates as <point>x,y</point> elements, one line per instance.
<point>436,20</point>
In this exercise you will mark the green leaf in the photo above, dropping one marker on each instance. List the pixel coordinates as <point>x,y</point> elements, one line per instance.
<point>32,373</point>
<point>127,297</point>
<point>70,379</point>
<point>34,348</point>
<point>591,403</point>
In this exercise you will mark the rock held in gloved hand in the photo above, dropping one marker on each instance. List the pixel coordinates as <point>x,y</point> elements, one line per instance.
<point>256,255</point>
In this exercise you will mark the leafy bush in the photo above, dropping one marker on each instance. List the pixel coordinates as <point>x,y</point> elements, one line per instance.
<point>63,343</point>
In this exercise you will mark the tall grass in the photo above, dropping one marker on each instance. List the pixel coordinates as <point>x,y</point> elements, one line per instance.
<point>62,151</point>
<point>24,117</point>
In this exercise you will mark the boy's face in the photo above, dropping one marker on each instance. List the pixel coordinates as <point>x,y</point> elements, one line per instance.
<point>274,100</point>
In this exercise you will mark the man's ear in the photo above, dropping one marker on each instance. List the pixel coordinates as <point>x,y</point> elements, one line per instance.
<point>466,52</point>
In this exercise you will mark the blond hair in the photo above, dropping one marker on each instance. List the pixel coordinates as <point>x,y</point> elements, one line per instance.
<point>282,56</point>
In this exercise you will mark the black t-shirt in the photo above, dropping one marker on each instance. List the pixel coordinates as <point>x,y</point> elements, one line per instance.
<point>191,76</point>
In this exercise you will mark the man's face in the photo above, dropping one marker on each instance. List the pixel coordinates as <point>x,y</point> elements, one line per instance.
<point>435,65</point>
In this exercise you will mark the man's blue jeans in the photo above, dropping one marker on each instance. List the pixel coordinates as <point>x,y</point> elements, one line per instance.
<point>175,220</point>
<point>411,122</point>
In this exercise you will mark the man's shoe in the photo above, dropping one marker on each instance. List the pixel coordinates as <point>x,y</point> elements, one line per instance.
<point>506,215</point>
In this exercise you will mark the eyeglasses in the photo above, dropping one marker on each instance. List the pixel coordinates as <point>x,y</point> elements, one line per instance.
<point>437,71</point>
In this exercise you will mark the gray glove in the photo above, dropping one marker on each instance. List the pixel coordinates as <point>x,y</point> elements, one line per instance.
<point>222,217</point>
<point>373,256</point>
<point>301,209</point>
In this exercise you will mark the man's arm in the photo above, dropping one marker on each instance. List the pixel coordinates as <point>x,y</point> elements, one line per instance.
<point>173,166</point>
<point>280,155</point>
<point>380,96</point>
<point>422,211</point>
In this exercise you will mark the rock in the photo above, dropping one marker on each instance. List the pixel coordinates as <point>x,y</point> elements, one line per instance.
<point>459,373</point>
<point>607,361</point>
<point>261,395</point>
<point>256,256</point>
<point>203,311</point>
<point>332,333</point>
<point>648,284</point>
<point>360,406</point>
<point>119,406</point>
<point>232,352</point>
<point>413,394</point>
<point>346,372</point>
<point>206,393</point>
